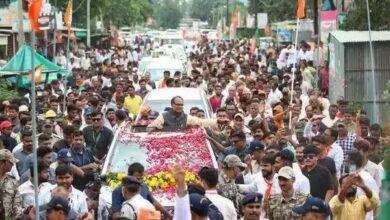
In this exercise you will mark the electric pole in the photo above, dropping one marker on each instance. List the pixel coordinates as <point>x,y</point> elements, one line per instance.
<point>88,23</point>
<point>20,23</point>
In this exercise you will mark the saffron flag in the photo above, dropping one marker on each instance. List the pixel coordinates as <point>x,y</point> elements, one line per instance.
<point>301,4</point>
<point>38,74</point>
<point>235,18</point>
<point>34,10</point>
<point>254,42</point>
<point>68,16</point>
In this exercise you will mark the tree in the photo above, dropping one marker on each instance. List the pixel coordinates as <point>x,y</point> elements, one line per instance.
<point>168,13</point>
<point>201,9</point>
<point>118,12</point>
<point>356,18</point>
<point>277,10</point>
<point>127,12</point>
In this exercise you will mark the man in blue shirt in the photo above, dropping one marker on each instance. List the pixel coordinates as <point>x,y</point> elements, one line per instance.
<point>136,170</point>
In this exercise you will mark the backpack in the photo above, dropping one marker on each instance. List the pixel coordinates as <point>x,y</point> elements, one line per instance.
<point>214,213</point>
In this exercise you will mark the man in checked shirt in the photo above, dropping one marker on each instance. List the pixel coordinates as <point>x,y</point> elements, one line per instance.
<point>345,139</point>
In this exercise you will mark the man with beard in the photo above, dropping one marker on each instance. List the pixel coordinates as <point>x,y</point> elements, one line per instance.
<point>26,190</point>
<point>263,182</point>
<point>279,205</point>
<point>347,205</point>
<point>285,158</point>
<point>216,100</point>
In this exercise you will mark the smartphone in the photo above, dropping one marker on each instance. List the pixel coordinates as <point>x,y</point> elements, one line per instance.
<point>352,169</point>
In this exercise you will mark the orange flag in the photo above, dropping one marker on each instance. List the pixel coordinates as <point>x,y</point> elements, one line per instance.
<point>38,73</point>
<point>235,18</point>
<point>68,16</point>
<point>301,4</point>
<point>34,10</point>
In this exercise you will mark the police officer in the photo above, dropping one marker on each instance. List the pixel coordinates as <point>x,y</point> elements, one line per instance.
<point>10,199</point>
<point>251,206</point>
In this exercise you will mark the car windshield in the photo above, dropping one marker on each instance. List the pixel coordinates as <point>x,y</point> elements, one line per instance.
<point>124,155</point>
<point>157,74</point>
<point>143,64</point>
<point>160,105</point>
<point>172,41</point>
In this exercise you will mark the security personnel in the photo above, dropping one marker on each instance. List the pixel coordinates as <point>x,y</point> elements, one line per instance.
<point>251,206</point>
<point>10,199</point>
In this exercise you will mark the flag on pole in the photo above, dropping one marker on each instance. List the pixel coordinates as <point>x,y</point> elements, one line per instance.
<point>34,10</point>
<point>38,74</point>
<point>301,8</point>
<point>68,15</point>
<point>235,18</point>
<point>254,42</point>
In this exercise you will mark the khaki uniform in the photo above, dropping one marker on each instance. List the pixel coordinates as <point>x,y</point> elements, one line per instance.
<point>280,208</point>
<point>10,199</point>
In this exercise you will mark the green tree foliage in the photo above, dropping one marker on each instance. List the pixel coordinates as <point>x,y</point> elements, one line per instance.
<point>168,13</point>
<point>277,10</point>
<point>116,12</point>
<point>127,12</point>
<point>357,15</point>
<point>201,9</point>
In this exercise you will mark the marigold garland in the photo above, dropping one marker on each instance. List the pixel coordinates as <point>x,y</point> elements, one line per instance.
<point>162,180</point>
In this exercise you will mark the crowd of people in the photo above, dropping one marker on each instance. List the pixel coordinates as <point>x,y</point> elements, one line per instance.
<point>284,151</point>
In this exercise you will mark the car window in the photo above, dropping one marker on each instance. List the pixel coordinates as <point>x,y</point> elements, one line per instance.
<point>144,64</point>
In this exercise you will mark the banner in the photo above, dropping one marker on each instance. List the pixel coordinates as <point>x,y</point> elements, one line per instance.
<point>262,20</point>
<point>328,23</point>
<point>46,18</point>
<point>250,21</point>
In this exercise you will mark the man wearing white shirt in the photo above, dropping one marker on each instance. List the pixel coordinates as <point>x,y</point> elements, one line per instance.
<point>274,95</point>
<point>331,118</point>
<point>26,190</point>
<point>64,178</point>
<point>134,201</point>
<point>372,168</point>
<point>264,182</point>
<point>335,151</point>
<point>188,207</point>
<point>285,158</point>
<point>209,180</point>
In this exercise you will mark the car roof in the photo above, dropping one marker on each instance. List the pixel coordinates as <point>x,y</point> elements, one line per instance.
<point>166,63</point>
<point>169,93</point>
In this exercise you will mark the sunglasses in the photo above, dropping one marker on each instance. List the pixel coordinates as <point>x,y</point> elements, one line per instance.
<point>178,104</point>
<point>309,156</point>
<point>96,119</point>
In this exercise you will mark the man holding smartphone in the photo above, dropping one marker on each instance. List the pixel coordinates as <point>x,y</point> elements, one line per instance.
<point>348,204</point>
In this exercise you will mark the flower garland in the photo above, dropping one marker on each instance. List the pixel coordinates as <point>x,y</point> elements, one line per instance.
<point>187,147</point>
<point>161,180</point>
